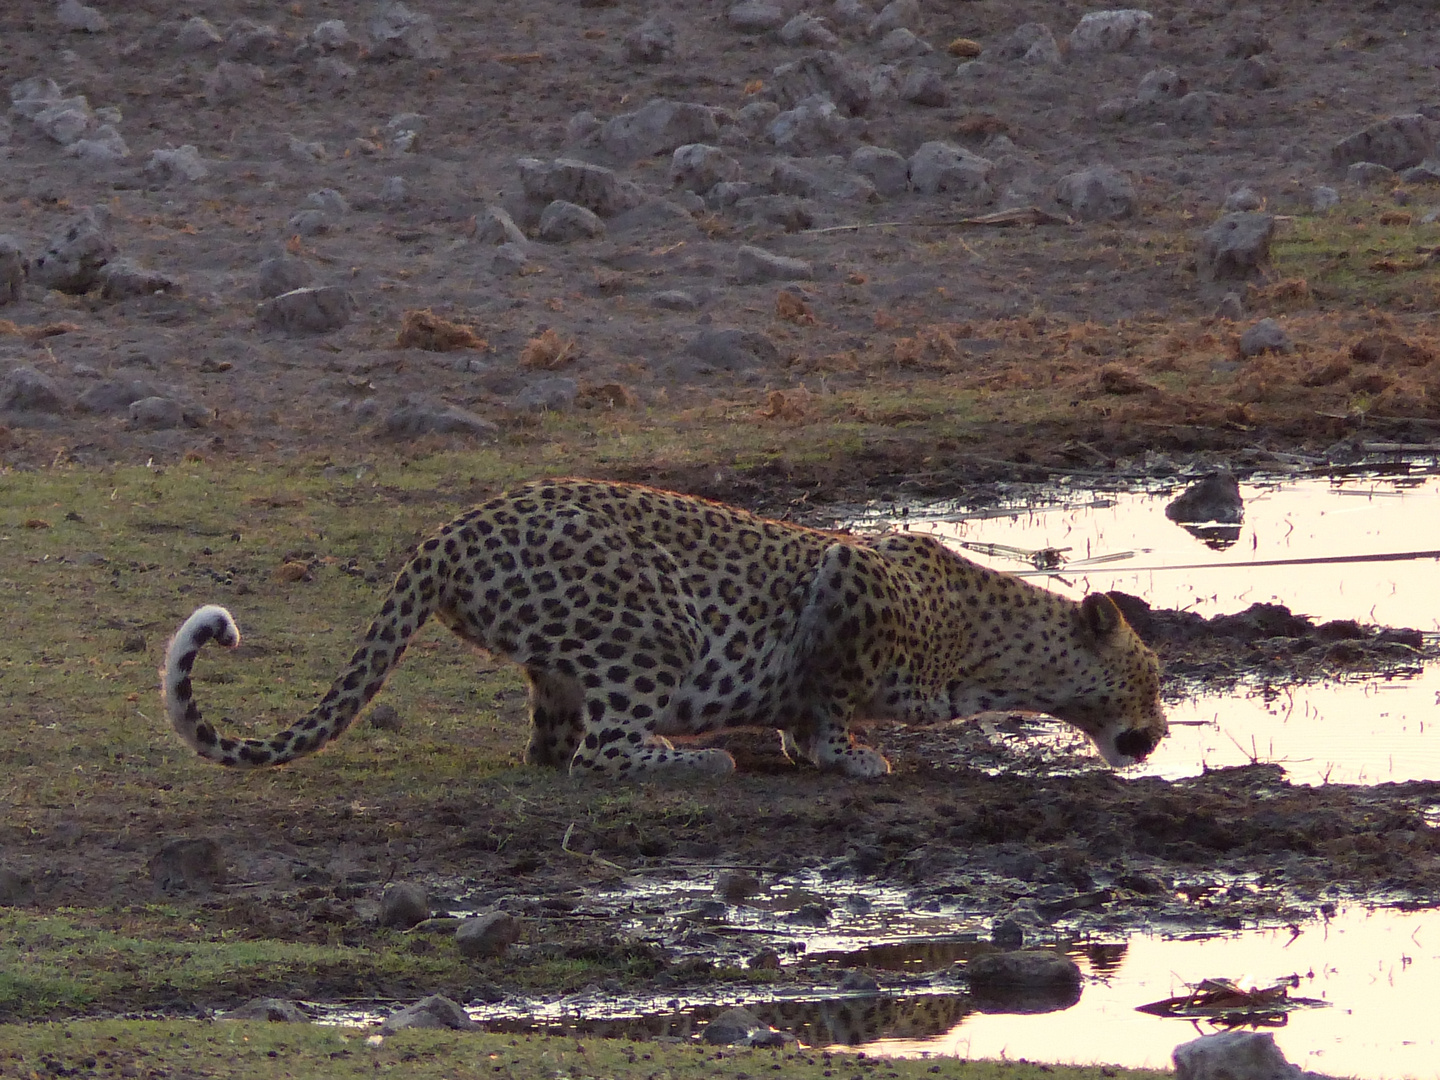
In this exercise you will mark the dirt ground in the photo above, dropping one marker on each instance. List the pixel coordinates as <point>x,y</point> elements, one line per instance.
<point>662,314</point>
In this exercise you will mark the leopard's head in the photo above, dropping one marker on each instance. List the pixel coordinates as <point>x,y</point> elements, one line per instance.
<point>1116,702</point>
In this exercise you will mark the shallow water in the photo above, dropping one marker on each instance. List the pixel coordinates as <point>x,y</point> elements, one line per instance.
<point>1378,971</point>
<point>1343,731</point>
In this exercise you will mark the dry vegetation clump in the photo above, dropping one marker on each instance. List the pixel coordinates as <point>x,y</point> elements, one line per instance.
<point>433,333</point>
<point>790,406</point>
<point>548,351</point>
<point>609,396</point>
<point>793,308</point>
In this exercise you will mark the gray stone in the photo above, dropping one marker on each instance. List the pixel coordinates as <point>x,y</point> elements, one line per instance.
<point>16,889</point>
<point>510,258</point>
<point>924,86</point>
<point>330,34</point>
<point>555,394</point>
<point>23,389</point>
<point>658,126</point>
<point>101,147</point>
<point>1243,199</point>
<point>894,16</point>
<point>114,396</point>
<point>1212,498</point>
<point>562,222</point>
<point>1369,174</point>
<point>1022,969</point>
<point>328,200</point>
<point>1233,1055</point>
<point>394,192</point>
<point>333,70</point>
<point>812,127</point>
<point>413,417</point>
<point>490,934</point>
<point>1396,142</point>
<point>496,226</point>
<point>188,865</point>
<point>806,29</point>
<point>828,75</point>
<point>396,32</point>
<point>1427,172</point>
<point>1162,84</point>
<point>197,33</point>
<point>308,310</point>
<point>786,211</point>
<point>942,167</point>
<point>311,222</point>
<point>1099,193</point>
<point>851,12</point>
<point>1199,108</point>
<point>1031,43</point>
<point>403,905</point>
<point>304,151</point>
<point>885,168</point>
<point>791,178</point>
<point>30,97</point>
<point>1112,31</point>
<point>1253,73</point>
<point>1230,307</point>
<point>902,44</point>
<point>754,264</point>
<point>730,193</point>
<point>1265,336</point>
<point>592,186</point>
<point>282,273</point>
<point>728,349</point>
<point>182,162</point>
<point>121,279</point>
<point>65,121</point>
<point>75,16</point>
<point>231,83</point>
<point>732,1026</point>
<point>432,1012</point>
<point>250,41</point>
<point>13,269</point>
<point>1236,247</point>
<point>272,1010</point>
<point>859,982</point>
<point>698,167</point>
<point>675,300</point>
<point>650,42</point>
<point>755,16</point>
<point>159,413</point>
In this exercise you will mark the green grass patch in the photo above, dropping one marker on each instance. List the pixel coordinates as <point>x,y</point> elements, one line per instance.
<point>260,1051</point>
<point>1362,253</point>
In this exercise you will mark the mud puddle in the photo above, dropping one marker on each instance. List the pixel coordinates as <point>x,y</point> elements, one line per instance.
<point>1344,729</point>
<point>1373,974</point>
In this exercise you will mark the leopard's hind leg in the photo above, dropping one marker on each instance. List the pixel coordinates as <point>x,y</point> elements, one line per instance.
<point>556,718</point>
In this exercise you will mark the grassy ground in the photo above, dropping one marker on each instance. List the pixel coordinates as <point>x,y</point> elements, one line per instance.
<point>280,1050</point>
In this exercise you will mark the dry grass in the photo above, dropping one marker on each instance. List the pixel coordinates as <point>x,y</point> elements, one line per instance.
<point>428,331</point>
<point>548,352</point>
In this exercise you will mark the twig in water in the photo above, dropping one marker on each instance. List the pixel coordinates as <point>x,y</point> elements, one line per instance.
<point>588,856</point>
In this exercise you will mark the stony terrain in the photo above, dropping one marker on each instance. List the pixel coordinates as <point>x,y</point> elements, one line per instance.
<point>241,229</point>
<point>632,207</point>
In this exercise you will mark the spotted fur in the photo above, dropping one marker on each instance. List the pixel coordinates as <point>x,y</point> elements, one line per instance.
<point>638,614</point>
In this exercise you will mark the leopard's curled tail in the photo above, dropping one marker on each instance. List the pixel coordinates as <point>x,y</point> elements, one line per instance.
<point>361,680</point>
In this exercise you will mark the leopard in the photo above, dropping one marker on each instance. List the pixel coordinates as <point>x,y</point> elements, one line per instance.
<point>639,616</point>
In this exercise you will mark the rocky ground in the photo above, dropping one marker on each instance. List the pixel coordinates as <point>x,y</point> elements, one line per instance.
<point>492,213</point>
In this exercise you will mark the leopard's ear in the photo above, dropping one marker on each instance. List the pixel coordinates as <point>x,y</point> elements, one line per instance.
<point>1102,617</point>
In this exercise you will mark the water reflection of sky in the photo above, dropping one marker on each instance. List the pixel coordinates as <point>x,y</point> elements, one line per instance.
<point>1305,519</point>
<point>1380,970</point>
<point>1366,731</point>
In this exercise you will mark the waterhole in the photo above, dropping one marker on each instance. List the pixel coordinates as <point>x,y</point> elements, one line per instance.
<point>1326,548</point>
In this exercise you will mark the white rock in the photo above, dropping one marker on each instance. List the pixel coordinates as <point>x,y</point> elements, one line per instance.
<point>811,127</point>
<point>806,29</point>
<point>330,34</point>
<point>591,186</point>
<point>901,44</point>
<point>924,86</point>
<point>698,167</point>
<point>1233,1055</point>
<point>198,33</point>
<point>1162,84</point>
<point>893,16</point>
<point>561,222</point>
<point>433,1012</point>
<point>1099,193</point>
<point>885,168</point>
<point>755,16</point>
<point>650,42</point>
<point>307,311</point>
<point>396,31</point>
<point>181,161</point>
<point>231,83</point>
<point>73,15</point>
<point>1112,31</point>
<point>942,167</point>
<point>754,264</point>
<point>658,126</point>
<point>100,147</point>
<point>67,120</point>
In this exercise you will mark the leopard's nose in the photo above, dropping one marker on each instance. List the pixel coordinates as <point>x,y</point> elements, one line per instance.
<point>1135,743</point>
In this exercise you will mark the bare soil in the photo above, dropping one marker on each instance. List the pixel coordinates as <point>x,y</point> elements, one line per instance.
<point>1030,314</point>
